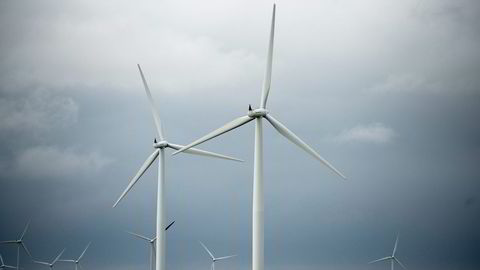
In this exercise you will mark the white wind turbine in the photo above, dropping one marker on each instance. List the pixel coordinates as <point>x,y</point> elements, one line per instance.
<point>160,153</point>
<point>77,261</point>
<point>3,265</point>
<point>214,259</point>
<point>19,242</point>
<point>392,258</point>
<point>50,265</point>
<point>151,241</point>
<point>258,115</point>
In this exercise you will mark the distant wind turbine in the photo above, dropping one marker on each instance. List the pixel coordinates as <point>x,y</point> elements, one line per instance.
<point>258,115</point>
<point>392,258</point>
<point>214,259</point>
<point>3,265</point>
<point>161,192</point>
<point>151,241</point>
<point>50,265</point>
<point>77,261</point>
<point>19,242</point>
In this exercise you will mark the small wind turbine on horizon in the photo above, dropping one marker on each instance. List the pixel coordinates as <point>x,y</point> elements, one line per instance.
<point>3,265</point>
<point>392,258</point>
<point>214,259</point>
<point>159,153</point>
<point>258,115</point>
<point>77,261</point>
<point>50,265</point>
<point>151,241</point>
<point>19,242</point>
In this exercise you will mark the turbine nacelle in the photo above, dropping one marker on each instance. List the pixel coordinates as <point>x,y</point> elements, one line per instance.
<point>160,144</point>
<point>260,112</point>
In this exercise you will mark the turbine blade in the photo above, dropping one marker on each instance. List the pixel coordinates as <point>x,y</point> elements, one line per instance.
<point>40,262</point>
<point>83,253</point>
<point>282,129</point>
<point>26,249</point>
<point>225,257</point>
<point>199,152</point>
<point>24,231</point>
<point>395,247</point>
<point>268,72</point>
<point>169,225</point>
<point>9,266</point>
<point>401,264</point>
<point>58,257</point>
<point>382,259</point>
<point>72,261</point>
<point>142,170</point>
<point>1,259</point>
<point>156,117</point>
<point>225,128</point>
<point>8,242</point>
<point>206,249</point>
<point>139,236</point>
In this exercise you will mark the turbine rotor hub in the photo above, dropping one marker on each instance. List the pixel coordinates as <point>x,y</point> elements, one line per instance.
<point>160,144</point>
<point>260,112</point>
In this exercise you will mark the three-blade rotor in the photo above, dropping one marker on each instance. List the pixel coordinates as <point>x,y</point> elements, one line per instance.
<point>19,241</point>
<point>53,262</point>
<point>392,258</point>
<point>3,265</point>
<point>262,112</point>
<point>214,259</point>
<point>150,240</point>
<point>163,143</point>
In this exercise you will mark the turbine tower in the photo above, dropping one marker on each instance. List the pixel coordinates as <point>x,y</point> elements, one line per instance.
<point>19,242</point>
<point>392,258</point>
<point>151,241</point>
<point>159,153</point>
<point>213,257</point>
<point>258,115</point>
<point>3,265</point>
<point>50,265</point>
<point>77,261</point>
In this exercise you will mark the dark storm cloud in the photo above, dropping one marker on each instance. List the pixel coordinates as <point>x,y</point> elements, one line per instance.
<point>387,91</point>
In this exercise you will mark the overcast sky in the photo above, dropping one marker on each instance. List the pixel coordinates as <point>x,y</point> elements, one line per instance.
<point>388,91</point>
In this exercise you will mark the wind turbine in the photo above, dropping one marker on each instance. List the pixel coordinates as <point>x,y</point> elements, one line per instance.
<point>3,265</point>
<point>213,257</point>
<point>19,242</point>
<point>392,258</point>
<point>50,265</point>
<point>258,115</point>
<point>160,153</point>
<point>77,261</point>
<point>152,244</point>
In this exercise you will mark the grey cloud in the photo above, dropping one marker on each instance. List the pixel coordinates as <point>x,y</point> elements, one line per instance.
<point>51,162</point>
<point>36,111</point>
<point>371,133</point>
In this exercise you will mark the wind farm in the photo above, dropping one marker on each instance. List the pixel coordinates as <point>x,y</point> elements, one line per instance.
<point>379,96</point>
